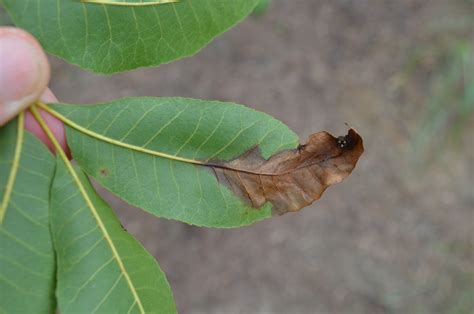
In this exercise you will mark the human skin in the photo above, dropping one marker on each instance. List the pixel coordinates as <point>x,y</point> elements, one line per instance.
<point>24,77</point>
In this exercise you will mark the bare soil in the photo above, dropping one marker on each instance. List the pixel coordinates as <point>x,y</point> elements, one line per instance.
<point>396,237</point>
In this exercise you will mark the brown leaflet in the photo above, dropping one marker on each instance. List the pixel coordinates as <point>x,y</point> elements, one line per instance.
<point>291,179</point>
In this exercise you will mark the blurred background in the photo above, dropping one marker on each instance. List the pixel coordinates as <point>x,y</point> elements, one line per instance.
<point>398,235</point>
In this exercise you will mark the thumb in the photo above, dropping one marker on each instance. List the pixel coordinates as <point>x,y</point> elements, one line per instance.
<point>24,72</point>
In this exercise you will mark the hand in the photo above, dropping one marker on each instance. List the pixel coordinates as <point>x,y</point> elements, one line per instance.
<point>24,77</point>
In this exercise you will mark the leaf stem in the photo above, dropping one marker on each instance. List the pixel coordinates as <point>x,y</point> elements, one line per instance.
<point>88,200</point>
<point>14,168</point>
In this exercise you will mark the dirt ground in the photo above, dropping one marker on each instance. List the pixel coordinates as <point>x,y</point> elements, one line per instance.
<point>396,237</point>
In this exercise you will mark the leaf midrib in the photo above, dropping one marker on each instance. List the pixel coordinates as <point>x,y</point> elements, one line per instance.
<point>113,141</point>
<point>142,149</point>
<point>14,168</point>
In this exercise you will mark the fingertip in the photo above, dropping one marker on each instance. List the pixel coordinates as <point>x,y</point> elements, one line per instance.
<point>48,96</point>
<point>25,72</point>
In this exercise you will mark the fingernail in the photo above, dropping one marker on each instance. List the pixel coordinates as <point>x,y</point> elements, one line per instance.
<point>24,72</point>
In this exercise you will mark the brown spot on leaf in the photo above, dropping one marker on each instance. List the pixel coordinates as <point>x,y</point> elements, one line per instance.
<point>291,179</point>
<point>103,172</point>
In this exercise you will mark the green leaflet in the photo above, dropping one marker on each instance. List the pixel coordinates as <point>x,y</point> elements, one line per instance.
<point>108,38</point>
<point>101,268</point>
<point>27,265</point>
<point>185,128</point>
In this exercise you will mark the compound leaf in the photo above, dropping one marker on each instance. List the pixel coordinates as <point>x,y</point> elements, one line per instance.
<point>108,38</point>
<point>27,265</point>
<point>101,268</point>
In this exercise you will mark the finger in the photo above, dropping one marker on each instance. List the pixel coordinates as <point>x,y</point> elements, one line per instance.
<point>24,72</point>
<point>56,126</point>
